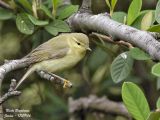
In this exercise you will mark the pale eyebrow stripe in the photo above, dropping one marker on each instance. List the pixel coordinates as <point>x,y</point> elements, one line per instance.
<point>78,41</point>
<point>75,39</point>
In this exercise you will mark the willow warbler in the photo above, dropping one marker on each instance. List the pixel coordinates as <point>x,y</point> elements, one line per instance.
<point>57,54</point>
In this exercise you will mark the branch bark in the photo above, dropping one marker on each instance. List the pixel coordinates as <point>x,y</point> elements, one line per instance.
<point>7,67</point>
<point>21,63</point>
<point>11,92</point>
<point>102,23</point>
<point>85,21</point>
<point>95,104</point>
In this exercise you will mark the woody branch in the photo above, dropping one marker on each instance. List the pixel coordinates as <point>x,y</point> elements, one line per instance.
<point>85,21</point>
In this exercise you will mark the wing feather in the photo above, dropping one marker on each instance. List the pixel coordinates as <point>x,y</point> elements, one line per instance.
<point>53,49</point>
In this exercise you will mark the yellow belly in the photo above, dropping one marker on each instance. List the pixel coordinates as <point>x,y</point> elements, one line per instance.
<point>61,64</point>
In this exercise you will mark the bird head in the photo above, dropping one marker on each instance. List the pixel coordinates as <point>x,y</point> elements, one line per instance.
<point>80,41</point>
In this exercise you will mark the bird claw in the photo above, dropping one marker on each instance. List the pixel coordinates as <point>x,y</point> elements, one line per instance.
<point>67,84</point>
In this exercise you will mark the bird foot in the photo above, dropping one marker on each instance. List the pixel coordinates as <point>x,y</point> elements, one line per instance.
<point>67,84</point>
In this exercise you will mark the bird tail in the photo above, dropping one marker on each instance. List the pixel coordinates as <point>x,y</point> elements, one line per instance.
<point>30,71</point>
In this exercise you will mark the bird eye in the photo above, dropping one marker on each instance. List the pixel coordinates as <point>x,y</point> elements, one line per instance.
<point>78,43</point>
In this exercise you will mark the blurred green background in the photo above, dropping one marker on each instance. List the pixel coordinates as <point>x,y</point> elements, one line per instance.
<point>48,101</point>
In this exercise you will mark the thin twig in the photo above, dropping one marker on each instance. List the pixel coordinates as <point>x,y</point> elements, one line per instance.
<point>49,76</point>
<point>11,92</point>
<point>55,78</point>
<point>110,40</point>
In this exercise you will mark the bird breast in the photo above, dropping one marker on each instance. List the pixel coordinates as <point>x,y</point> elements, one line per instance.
<point>57,65</point>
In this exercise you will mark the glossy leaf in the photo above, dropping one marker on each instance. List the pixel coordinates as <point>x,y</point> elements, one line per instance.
<point>5,14</point>
<point>67,11</point>
<point>113,4</point>
<point>56,3</point>
<point>138,20</point>
<point>23,23</point>
<point>36,21</point>
<point>133,11</point>
<point>158,103</point>
<point>157,12</point>
<point>25,4</point>
<point>108,3</point>
<point>46,11</point>
<point>154,116</point>
<point>135,101</point>
<point>158,84</point>
<point>154,28</point>
<point>156,70</point>
<point>147,21</point>
<point>121,67</point>
<point>57,26</point>
<point>119,16</point>
<point>138,54</point>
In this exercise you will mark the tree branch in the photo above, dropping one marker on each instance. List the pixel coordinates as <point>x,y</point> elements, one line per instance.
<point>48,76</point>
<point>110,40</point>
<point>55,78</point>
<point>103,24</point>
<point>85,21</point>
<point>93,103</point>
<point>16,64</point>
<point>11,92</point>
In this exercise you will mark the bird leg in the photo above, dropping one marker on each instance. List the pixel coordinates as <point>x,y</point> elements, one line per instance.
<point>55,78</point>
<point>67,84</point>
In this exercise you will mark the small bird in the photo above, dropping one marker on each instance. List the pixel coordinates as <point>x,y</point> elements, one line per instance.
<point>57,54</point>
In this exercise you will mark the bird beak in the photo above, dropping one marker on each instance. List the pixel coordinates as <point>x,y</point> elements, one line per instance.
<point>89,49</point>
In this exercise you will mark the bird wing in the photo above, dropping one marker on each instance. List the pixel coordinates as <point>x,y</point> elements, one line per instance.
<point>52,49</point>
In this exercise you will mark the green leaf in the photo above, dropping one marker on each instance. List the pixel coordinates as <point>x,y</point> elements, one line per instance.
<point>36,21</point>
<point>57,26</point>
<point>158,103</point>
<point>121,67</point>
<point>156,70</point>
<point>23,23</point>
<point>157,12</point>
<point>138,54</point>
<point>133,11</point>
<point>137,22</point>
<point>154,116</point>
<point>154,28</point>
<point>119,16</point>
<point>158,83</point>
<point>108,4</point>
<point>46,11</point>
<point>147,21</point>
<point>56,3</point>
<point>25,4</point>
<point>5,14</point>
<point>135,101</point>
<point>66,11</point>
<point>113,4</point>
